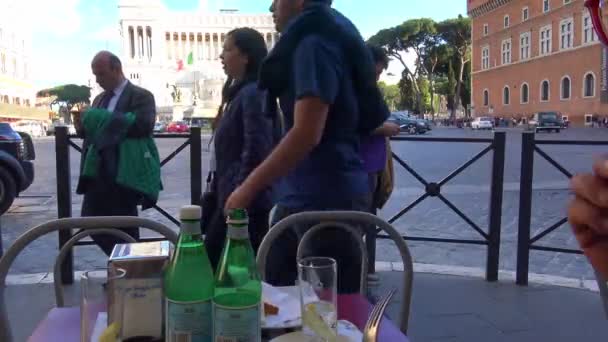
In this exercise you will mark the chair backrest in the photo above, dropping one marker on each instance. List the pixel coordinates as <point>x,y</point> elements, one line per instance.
<point>89,226</point>
<point>603,286</point>
<point>354,232</point>
<point>348,218</point>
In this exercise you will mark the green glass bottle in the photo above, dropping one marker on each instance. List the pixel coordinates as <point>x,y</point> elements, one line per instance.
<point>188,284</point>
<point>238,288</point>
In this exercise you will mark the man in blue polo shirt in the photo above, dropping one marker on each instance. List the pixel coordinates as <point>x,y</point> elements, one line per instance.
<point>317,164</point>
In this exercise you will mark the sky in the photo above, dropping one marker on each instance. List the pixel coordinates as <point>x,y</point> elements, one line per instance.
<point>67,33</point>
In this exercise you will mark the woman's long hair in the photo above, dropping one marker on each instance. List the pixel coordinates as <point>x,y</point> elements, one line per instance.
<point>252,44</point>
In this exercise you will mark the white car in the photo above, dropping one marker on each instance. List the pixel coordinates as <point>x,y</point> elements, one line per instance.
<point>482,123</point>
<point>33,128</point>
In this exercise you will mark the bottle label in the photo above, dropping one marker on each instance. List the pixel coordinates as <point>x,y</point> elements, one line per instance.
<point>238,233</point>
<point>236,324</point>
<point>190,227</point>
<point>188,321</point>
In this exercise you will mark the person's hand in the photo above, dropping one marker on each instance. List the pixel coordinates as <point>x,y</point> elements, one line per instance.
<point>241,197</point>
<point>588,215</point>
<point>391,129</point>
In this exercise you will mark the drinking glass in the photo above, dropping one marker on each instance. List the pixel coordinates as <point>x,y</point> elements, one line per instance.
<point>94,293</point>
<point>317,279</point>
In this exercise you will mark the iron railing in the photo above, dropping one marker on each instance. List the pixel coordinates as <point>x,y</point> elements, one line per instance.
<point>526,242</point>
<point>491,238</point>
<point>63,142</point>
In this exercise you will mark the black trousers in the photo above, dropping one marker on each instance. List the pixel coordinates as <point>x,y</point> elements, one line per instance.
<point>215,237</point>
<point>281,264</point>
<point>103,199</point>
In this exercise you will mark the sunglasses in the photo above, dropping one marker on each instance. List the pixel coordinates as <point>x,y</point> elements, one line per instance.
<point>595,9</point>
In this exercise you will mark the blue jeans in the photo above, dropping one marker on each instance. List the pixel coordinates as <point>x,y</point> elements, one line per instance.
<point>281,268</point>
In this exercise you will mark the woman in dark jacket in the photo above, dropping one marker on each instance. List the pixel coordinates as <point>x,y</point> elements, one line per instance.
<point>243,136</point>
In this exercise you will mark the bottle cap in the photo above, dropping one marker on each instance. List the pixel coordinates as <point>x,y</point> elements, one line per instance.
<point>190,212</point>
<point>237,217</point>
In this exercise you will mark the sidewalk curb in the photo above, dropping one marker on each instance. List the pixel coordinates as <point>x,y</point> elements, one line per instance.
<point>385,266</point>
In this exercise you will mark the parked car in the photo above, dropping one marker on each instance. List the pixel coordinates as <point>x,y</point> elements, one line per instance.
<point>545,121</point>
<point>16,166</point>
<point>482,123</point>
<point>178,127</point>
<point>409,124</point>
<point>427,124</point>
<point>159,127</point>
<point>33,128</point>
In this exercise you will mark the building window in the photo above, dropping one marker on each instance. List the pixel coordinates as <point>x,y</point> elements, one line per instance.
<point>567,2</point>
<point>485,57</point>
<point>486,29</point>
<point>524,46</point>
<point>506,51</point>
<point>544,91</point>
<point>589,85</point>
<point>506,96</point>
<point>546,7</point>
<point>589,34</point>
<point>566,34</point>
<point>486,97</point>
<point>588,119</point>
<point>3,63</point>
<point>507,21</point>
<point>545,40</point>
<point>565,88</point>
<point>525,93</point>
<point>525,14</point>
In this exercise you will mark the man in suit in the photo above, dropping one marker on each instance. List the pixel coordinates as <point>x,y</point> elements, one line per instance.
<point>102,196</point>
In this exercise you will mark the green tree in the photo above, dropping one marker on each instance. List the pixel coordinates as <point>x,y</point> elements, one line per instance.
<point>425,95</point>
<point>451,87</point>
<point>392,95</point>
<point>457,34</point>
<point>465,93</point>
<point>435,64</point>
<point>68,96</point>
<point>415,35</point>
<point>407,93</point>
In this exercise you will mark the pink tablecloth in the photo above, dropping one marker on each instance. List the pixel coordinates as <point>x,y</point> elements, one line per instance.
<point>63,324</point>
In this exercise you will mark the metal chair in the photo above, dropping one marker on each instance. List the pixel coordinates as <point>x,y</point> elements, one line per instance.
<point>89,226</point>
<point>345,220</point>
<point>602,284</point>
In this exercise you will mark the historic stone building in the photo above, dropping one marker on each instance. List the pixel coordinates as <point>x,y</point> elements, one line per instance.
<point>537,55</point>
<point>17,94</point>
<point>176,54</point>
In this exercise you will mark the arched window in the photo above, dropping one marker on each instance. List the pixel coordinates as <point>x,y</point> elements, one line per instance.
<point>544,91</point>
<point>565,88</point>
<point>506,96</point>
<point>589,85</point>
<point>486,97</point>
<point>525,93</point>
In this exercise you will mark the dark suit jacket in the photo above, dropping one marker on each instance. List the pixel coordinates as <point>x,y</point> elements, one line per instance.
<point>133,99</point>
<point>243,139</point>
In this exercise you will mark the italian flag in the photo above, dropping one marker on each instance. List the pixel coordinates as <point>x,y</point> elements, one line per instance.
<point>189,61</point>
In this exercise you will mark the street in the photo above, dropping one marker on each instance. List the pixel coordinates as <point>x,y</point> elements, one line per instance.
<point>433,161</point>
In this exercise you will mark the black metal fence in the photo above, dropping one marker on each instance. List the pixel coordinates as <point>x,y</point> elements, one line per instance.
<point>491,238</point>
<point>63,143</point>
<point>526,242</point>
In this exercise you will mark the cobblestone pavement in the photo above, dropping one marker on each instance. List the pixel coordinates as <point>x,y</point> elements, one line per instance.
<point>434,161</point>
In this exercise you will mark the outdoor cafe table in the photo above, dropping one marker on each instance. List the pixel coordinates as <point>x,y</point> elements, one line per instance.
<point>63,324</point>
